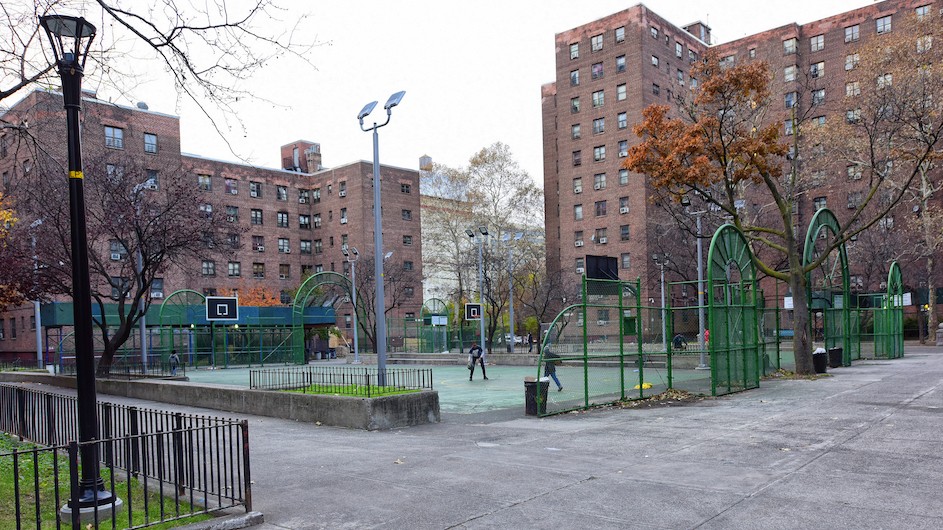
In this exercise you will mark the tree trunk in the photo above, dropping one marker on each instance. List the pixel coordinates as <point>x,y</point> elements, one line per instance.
<point>932,320</point>
<point>802,340</point>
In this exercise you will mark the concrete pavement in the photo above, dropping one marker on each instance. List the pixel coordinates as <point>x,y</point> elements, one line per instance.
<point>861,449</point>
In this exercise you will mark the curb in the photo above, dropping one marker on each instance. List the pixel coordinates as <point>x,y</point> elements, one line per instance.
<point>229,522</point>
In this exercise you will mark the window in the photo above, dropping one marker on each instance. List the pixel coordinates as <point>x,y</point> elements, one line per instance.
<point>13,327</point>
<point>3,146</point>
<point>343,215</point>
<point>258,270</point>
<point>854,172</point>
<point>883,25</point>
<point>578,212</point>
<point>600,207</point>
<point>625,261</point>
<point>208,268</point>
<point>885,80</point>
<point>622,120</point>
<point>852,88</point>
<point>654,31</point>
<point>789,74</point>
<point>235,268</point>
<point>599,125</point>
<point>655,61</point>
<point>656,89</point>
<point>317,220</point>
<point>692,55</point>
<point>789,46</point>
<point>851,61</point>
<point>886,224</point>
<point>818,121</point>
<point>304,196</point>
<point>577,158</point>
<point>281,219</point>
<point>150,143</point>
<point>114,137</point>
<point>817,70</point>
<point>578,237</point>
<point>574,78</point>
<point>284,271</point>
<point>791,98</point>
<point>623,148</point>
<point>623,177</point>
<point>318,246</point>
<point>596,42</point>
<point>233,240</point>
<point>623,205</point>
<point>580,264</point>
<point>788,127</point>
<point>3,327</point>
<point>922,12</point>
<point>284,246</point>
<point>574,51</point>
<point>596,70</point>
<point>620,63</point>
<point>575,131</point>
<point>255,190</point>
<point>204,182</point>
<point>819,203</point>
<point>620,34</point>
<point>599,153</point>
<point>304,222</point>
<point>853,115</point>
<point>680,76</point>
<point>153,180</point>
<point>118,252</point>
<point>854,199</point>
<point>281,193</point>
<point>407,240</point>
<point>316,195</point>
<point>407,265</point>
<point>852,33</point>
<point>599,235</point>
<point>599,98</point>
<point>574,105</point>
<point>206,209</point>
<point>679,50</point>
<point>624,232</point>
<point>818,96</point>
<point>924,43</point>
<point>255,216</point>
<point>304,246</point>
<point>599,181</point>
<point>232,186</point>
<point>258,243</point>
<point>817,43</point>
<point>407,215</point>
<point>752,53</point>
<point>620,92</point>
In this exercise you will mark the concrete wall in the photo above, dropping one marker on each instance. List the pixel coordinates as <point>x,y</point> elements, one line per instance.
<point>378,413</point>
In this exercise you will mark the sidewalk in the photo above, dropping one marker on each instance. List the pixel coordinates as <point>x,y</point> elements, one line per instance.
<point>861,449</point>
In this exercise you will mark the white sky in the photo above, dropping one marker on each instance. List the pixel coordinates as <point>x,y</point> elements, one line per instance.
<point>472,72</point>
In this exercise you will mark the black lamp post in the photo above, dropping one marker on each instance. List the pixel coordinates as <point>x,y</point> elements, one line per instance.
<point>71,38</point>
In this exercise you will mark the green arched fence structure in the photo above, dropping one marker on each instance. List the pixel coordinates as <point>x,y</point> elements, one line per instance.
<point>889,319</point>
<point>307,293</point>
<point>734,344</point>
<point>432,328</point>
<point>828,292</point>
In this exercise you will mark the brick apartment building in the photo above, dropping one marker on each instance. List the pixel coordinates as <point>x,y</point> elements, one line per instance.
<point>287,222</point>
<point>610,69</point>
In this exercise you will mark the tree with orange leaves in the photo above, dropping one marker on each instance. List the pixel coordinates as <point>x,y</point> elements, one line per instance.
<point>256,296</point>
<point>726,145</point>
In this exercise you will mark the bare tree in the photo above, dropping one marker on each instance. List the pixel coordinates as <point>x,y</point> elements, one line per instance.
<point>399,286</point>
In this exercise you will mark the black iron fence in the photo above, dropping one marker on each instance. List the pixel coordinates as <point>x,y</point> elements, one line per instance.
<point>128,367</point>
<point>164,466</point>
<point>344,380</point>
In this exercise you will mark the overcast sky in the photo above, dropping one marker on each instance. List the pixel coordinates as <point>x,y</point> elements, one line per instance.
<point>471,70</point>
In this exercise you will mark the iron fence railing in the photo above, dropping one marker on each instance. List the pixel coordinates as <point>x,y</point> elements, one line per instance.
<point>173,465</point>
<point>350,381</point>
<point>127,367</point>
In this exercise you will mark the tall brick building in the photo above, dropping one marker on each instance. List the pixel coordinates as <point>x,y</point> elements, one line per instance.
<point>610,69</point>
<point>287,222</point>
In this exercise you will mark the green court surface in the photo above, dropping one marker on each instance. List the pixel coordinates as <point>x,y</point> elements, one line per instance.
<point>504,388</point>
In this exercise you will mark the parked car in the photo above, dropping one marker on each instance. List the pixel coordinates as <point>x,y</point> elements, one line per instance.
<point>518,339</point>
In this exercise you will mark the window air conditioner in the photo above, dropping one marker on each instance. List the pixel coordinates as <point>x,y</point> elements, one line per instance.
<point>151,186</point>
<point>600,322</point>
<point>597,186</point>
<point>303,200</point>
<point>580,270</point>
<point>287,251</point>
<point>157,294</point>
<point>578,189</point>
<point>231,218</point>
<point>603,240</point>
<point>234,192</point>
<point>260,248</point>
<point>624,209</point>
<point>342,193</point>
<point>282,276</point>
<point>579,242</point>
<point>343,220</point>
<point>115,256</point>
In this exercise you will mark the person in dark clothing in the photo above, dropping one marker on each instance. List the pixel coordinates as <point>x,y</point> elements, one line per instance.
<point>530,342</point>
<point>174,362</point>
<point>550,368</point>
<point>477,356</point>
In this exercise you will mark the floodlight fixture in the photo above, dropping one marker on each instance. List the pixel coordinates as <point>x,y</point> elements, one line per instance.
<point>366,110</point>
<point>394,100</point>
<point>483,230</point>
<point>469,232</point>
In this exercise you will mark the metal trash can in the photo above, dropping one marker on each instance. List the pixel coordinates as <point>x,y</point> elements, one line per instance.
<point>820,360</point>
<point>531,405</point>
<point>835,357</point>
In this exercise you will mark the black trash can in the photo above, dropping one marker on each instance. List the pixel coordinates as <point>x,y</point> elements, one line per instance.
<point>531,406</point>
<point>820,362</point>
<point>835,357</point>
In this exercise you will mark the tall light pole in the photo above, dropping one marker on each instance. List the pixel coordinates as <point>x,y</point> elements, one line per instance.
<point>394,100</point>
<point>701,323</point>
<point>661,260</point>
<point>481,279</point>
<point>351,257</point>
<point>37,317</point>
<point>507,239</point>
<point>71,38</point>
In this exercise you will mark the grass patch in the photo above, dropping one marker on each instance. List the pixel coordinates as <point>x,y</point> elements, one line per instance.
<point>45,466</point>
<point>353,390</point>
